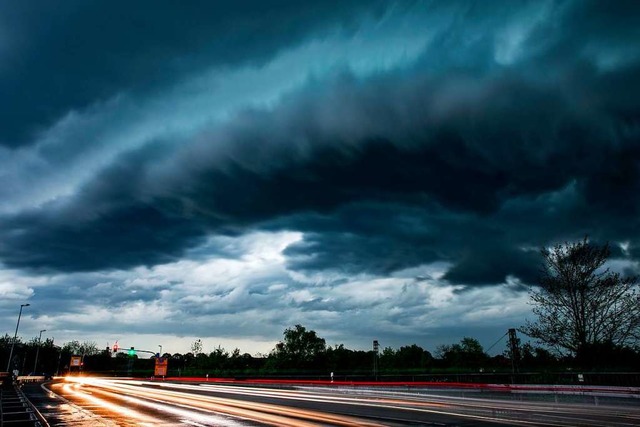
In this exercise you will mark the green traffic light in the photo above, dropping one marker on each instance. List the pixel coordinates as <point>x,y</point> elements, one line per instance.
<point>132,351</point>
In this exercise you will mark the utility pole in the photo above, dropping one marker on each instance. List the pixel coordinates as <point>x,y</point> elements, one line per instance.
<point>15,336</point>
<point>376,347</point>
<point>35,364</point>
<point>515,352</point>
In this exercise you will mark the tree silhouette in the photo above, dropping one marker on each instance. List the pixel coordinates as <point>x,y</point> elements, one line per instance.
<point>86,348</point>
<point>300,348</point>
<point>581,306</point>
<point>468,353</point>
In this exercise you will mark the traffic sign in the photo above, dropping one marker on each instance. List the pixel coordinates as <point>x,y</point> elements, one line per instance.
<point>161,367</point>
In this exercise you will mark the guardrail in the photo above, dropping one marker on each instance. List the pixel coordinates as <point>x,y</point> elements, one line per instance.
<point>16,409</point>
<point>31,378</point>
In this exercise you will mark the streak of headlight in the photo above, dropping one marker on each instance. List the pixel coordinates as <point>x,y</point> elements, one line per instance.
<point>412,405</point>
<point>75,412</point>
<point>408,405</point>
<point>116,409</point>
<point>296,395</point>
<point>268,413</point>
<point>181,399</point>
<point>191,417</point>
<point>176,400</point>
<point>281,394</point>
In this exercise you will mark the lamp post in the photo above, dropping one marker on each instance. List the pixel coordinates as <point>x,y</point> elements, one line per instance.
<point>15,336</point>
<point>35,364</point>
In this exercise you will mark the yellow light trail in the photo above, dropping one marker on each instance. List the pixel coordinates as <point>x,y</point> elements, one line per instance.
<point>276,415</point>
<point>180,400</point>
<point>118,411</point>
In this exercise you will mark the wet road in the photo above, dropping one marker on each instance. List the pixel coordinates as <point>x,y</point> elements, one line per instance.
<point>122,402</point>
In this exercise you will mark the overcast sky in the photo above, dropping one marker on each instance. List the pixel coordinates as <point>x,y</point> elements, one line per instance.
<point>173,171</point>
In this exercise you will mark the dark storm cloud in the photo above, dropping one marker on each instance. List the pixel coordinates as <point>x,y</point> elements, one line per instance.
<point>381,239</point>
<point>72,293</point>
<point>111,223</point>
<point>135,235</point>
<point>66,56</point>
<point>476,160</point>
<point>489,263</point>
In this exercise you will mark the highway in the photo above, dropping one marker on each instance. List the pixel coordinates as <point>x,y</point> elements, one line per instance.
<point>126,402</point>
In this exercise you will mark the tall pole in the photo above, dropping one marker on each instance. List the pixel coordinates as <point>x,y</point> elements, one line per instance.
<point>15,336</point>
<point>35,364</point>
<point>160,350</point>
<point>376,346</point>
<point>513,345</point>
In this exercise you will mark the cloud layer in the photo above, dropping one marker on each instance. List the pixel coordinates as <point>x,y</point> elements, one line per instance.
<point>413,150</point>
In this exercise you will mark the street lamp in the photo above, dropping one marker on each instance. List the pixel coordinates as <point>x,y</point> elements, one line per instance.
<point>35,364</point>
<point>15,336</point>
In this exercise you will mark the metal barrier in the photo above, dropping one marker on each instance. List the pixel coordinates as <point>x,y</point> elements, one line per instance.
<point>31,378</point>
<point>15,409</point>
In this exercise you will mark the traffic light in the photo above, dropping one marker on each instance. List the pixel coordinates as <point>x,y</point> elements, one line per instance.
<point>115,347</point>
<point>132,352</point>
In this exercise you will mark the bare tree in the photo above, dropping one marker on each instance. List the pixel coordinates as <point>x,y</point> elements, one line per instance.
<point>196,347</point>
<point>579,304</point>
<point>87,348</point>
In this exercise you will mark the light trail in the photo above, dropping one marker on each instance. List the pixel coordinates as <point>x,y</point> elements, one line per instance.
<point>188,416</point>
<point>381,403</point>
<point>234,405</point>
<point>277,415</point>
<point>76,392</point>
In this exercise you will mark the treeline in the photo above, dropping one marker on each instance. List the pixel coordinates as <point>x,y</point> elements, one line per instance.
<point>303,353</point>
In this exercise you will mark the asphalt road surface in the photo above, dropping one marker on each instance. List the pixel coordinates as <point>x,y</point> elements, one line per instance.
<point>124,402</point>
